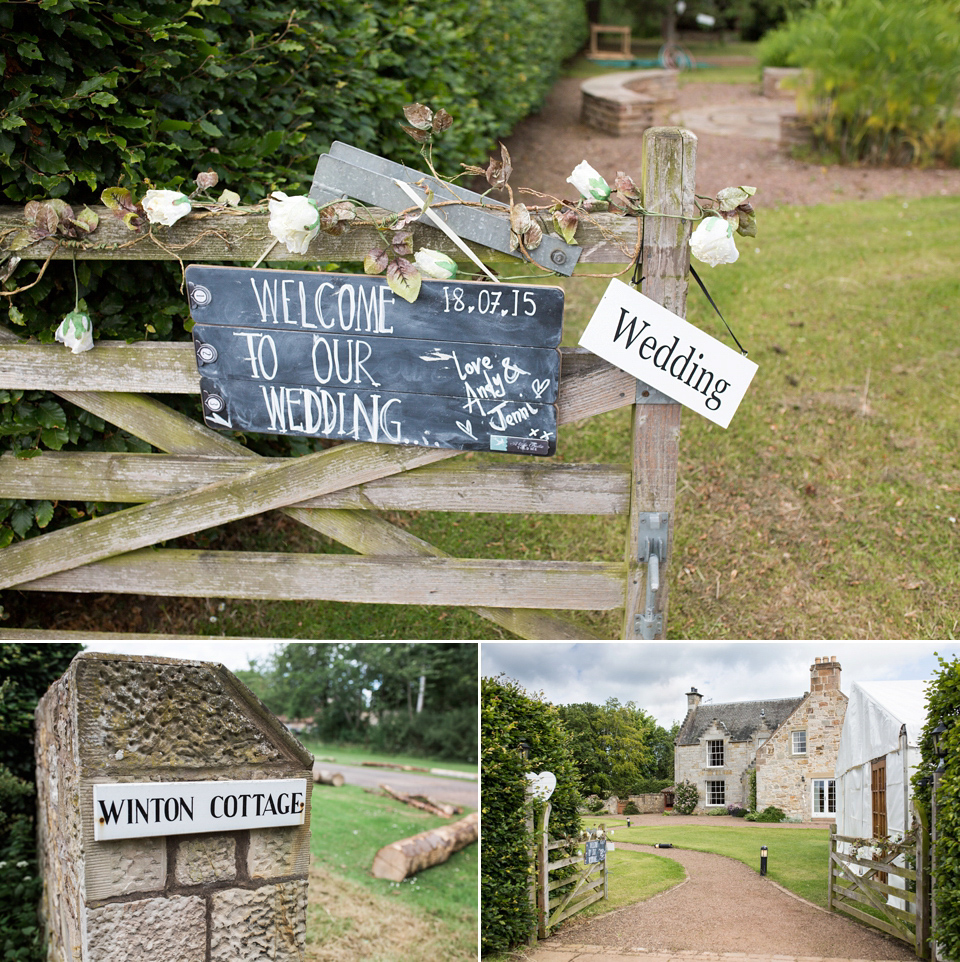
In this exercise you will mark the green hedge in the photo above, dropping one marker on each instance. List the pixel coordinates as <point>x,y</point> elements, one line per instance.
<point>943,705</point>
<point>511,719</point>
<point>26,671</point>
<point>147,93</point>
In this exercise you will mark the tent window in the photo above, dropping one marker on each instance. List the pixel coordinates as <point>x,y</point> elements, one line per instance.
<point>824,796</point>
<point>715,753</point>
<point>799,743</point>
<point>716,793</point>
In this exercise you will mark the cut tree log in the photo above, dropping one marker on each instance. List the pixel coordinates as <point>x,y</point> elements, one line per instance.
<point>328,778</point>
<point>408,856</point>
<point>399,768</point>
<point>422,802</point>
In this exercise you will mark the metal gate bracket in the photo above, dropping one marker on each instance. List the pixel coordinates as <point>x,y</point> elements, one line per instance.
<point>654,530</point>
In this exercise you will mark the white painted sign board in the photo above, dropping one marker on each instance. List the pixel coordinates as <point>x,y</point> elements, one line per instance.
<point>660,348</point>
<point>144,809</point>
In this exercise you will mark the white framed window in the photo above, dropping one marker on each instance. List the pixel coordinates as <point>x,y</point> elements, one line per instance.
<point>716,792</point>
<point>824,796</point>
<point>715,753</point>
<point>799,743</point>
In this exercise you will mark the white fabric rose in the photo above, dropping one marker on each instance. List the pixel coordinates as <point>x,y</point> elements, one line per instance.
<point>712,242</point>
<point>590,184</point>
<point>294,221</point>
<point>76,332</point>
<point>165,206</point>
<point>434,264</point>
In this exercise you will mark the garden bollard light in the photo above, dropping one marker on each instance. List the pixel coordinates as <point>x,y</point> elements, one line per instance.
<point>628,823</point>
<point>763,859</point>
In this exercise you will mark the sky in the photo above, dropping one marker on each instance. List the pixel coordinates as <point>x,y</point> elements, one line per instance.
<point>657,676</point>
<point>231,654</point>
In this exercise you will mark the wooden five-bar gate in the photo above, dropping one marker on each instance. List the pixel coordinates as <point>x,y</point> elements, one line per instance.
<point>198,478</point>
<point>871,881</point>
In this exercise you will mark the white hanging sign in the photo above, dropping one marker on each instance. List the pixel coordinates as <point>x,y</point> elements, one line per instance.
<point>541,785</point>
<point>144,809</point>
<point>660,348</point>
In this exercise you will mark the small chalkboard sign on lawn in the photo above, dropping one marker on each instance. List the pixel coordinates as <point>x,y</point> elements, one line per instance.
<point>468,365</point>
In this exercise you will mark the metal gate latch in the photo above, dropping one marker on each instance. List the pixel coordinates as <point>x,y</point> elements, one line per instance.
<point>654,529</point>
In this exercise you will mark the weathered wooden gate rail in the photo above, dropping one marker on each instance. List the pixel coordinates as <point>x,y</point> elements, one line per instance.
<point>202,478</point>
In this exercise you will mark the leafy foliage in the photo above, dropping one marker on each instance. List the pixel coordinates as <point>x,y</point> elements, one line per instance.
<point>685,798</point>
<point>369,693</point>
<point>26,671</point>
<point>514,723</point>
<point>884,78</point>
<point>770,814</point>
<point>943,705</point>
<point>140,94</point>
<point>618,747</point>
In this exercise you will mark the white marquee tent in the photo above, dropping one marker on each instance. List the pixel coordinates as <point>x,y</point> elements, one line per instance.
<point>883,719</point>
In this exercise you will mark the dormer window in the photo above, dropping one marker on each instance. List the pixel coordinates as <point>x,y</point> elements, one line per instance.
<point>715,753</point>
<point>799,743</point>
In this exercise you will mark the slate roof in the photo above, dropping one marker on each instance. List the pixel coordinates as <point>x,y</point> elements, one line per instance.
<point>741,718</point>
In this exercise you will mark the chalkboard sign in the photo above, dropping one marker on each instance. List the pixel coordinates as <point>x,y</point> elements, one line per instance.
<point>469,365</point>
<point>595,850</point>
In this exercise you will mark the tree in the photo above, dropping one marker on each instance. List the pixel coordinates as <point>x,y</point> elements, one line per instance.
<point>414,697</point>
<point>618,747</point>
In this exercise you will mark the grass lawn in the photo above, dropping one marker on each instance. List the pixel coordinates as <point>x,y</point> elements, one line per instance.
<point>797,858</point>
<point>357,755</point>
<point>354,917</point>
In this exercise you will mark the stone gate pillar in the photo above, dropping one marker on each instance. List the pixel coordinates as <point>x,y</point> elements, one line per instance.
<point>174,816</point>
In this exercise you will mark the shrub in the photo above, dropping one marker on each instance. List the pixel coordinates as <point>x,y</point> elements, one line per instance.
<point>146,93</point>
<point>770,814</point>
<point>885,78</point>
<point>943,705</point>
<point>685,798</point>
<point>736,811</point>
<point>631,809</point>
<point>510,719</point>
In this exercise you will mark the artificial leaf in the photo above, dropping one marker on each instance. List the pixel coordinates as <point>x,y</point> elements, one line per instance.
<point>403,278</point>
<point>520,223</point>
<point>442,121</point>
<point>747,221</point>
<point>498,171</point>
<point>565,223</point>
<point>47,220</point>
<point>230,198</point>
<point>402,243</point>
<point>330,222</point>
<point>376,261</point>
<point>419,116</point>
<point>420,136</point>
<point>22,238</point>
<point>732,197</point>
<point>533,236</point>
<point>118,199</point>
<point>87,220</point>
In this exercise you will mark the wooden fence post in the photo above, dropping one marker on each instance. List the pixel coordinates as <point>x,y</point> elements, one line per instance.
<point>668,180</point>
<point>923,887</point>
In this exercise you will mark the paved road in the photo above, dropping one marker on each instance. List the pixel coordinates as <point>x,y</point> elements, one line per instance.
<point>456,791</point>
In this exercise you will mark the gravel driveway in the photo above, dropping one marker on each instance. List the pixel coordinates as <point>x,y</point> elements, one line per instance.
<point>725,906</point>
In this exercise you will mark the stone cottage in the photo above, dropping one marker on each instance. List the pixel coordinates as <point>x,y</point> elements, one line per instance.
<point>790,743</point>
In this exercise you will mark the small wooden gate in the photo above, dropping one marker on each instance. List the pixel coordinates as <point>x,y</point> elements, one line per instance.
<point>860,885</point>
<point>570,892</point>
<point>197,478</point>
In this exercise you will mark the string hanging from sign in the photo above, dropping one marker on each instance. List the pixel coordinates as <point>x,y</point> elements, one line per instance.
<point>703,288</point>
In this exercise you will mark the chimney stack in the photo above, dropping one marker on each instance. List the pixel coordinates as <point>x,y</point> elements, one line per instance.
<point>693,698</point>
<point>825,674</point>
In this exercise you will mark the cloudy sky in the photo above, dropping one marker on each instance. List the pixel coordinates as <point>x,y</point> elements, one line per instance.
<point>656,677</point>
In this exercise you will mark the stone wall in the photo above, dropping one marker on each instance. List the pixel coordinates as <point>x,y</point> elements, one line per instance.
<point>626,103</point>
<point>784,779</point>
<point>232,896</point>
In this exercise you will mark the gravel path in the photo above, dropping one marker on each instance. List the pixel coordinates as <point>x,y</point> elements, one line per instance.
<point>732,124</point>
<point>724,907</point>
